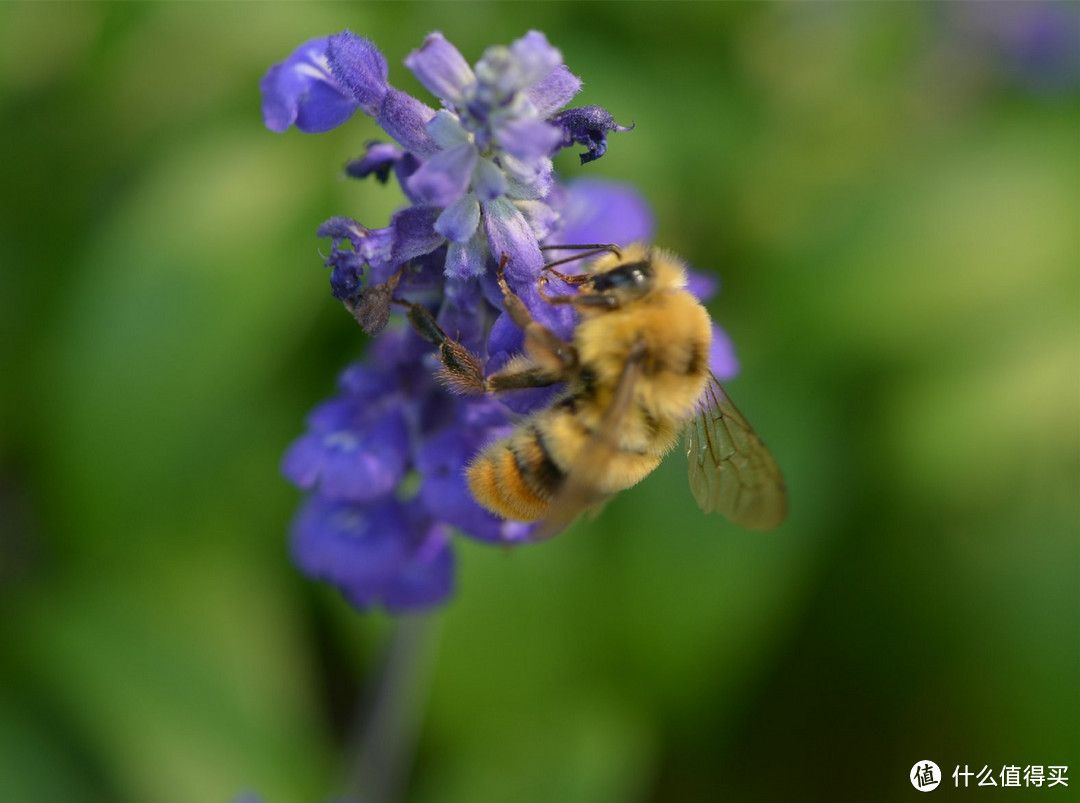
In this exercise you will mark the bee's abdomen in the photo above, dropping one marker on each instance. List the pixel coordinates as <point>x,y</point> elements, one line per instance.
<point>517,476</point>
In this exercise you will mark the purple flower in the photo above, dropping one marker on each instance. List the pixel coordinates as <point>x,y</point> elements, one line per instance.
<point>302,91</point>
<point>383,461</point>
<point>484,153</point>
<point>1035,44</point>
<point>379,160</point>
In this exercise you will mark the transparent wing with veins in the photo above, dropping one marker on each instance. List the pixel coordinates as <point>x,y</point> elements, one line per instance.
<point>731,470</point>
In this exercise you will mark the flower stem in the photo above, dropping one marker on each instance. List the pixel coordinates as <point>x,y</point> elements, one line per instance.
<point>388,727</point>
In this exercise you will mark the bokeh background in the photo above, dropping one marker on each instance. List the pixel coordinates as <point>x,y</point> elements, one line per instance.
<point>890,193</point>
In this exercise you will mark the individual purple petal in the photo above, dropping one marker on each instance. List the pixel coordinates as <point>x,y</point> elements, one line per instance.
<point>346,269</point>
<point>330,415</point>
<point>466,260</point>
<point>444,178</point>
<point>600,211</point>
<point>458,222</point>
<point>461,315</point>
<point>302,91</point>
<point>528,138</point>
<point>347,265</point>
<point>444,492</point>
<point>722,360</point>
<point>527,180</point>
<point>445,129</point>
<point>423,275</point>
<point>488,181</point>
<point>340,227</point>
<point>508,233</point>
<point>559,318</point>
<point>358,464</point>
<point>379,159</point>
<point>442,70</point>
<point>350,544</point>
<point>466,296</point>
<point>588,126</point>
<point>397,350</point>
<point>535,58</point>
<point>505,337</point>
<point>541,218</point>
<point>414,232</point>
<point>504,343</point>
<point>377,248</point>
<point>553,91</point>
<point>425,578</point>
<point>405,118</point>
<point>365,383</point>
<point>702,285</point>
<point>403,169</point>
<point>360,67</point>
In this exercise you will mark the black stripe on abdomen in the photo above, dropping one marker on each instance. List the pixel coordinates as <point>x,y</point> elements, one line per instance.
<point>538,470</point>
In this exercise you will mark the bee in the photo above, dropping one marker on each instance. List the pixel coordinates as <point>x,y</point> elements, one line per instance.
<point>637,376</point>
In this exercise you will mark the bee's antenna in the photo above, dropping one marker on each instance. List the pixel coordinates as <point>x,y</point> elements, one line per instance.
<point>585,247</point>
<point>587,251</point>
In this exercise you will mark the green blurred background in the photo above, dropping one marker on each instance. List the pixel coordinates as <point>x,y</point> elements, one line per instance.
<point>890,193</point>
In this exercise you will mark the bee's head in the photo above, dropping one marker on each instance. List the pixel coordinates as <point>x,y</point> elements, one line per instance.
<point>636,272</point>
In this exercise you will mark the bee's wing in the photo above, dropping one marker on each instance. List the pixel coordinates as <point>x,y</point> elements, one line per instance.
<point>578,490</point>
<point>731,470</point>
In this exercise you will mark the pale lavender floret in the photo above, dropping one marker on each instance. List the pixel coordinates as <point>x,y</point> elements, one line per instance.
<point>508,233</point>
<point>527,138</point>
<point>467,260</point>
<point>458,222</point>
<point>553,91</point>
<point>534,59</point>
<point>441,68</point>
<point>445,177</point>
<point>489,181</point>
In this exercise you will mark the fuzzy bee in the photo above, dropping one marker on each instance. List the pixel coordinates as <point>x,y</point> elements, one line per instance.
<point>637,375</point>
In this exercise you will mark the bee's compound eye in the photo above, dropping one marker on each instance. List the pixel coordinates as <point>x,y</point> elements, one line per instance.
<point>634,274</point>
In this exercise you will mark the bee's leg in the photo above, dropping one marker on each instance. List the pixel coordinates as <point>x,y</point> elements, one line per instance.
<point>524,374</point>
<point>549,354</point>
<point>462,370</point>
